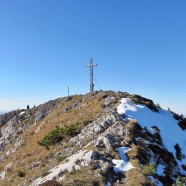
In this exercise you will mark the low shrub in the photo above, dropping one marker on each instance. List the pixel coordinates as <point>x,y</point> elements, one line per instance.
<point>181,181</point>
<point>52,137</point>
<point>59,159</point>
<point>178,152</point>
<point>149,170</point>
<point>182,124</point>
<point>70,131</point>
<point>57,135</point>
<point>50,183</point>
<point>74,171</point>
<point>21,173</point>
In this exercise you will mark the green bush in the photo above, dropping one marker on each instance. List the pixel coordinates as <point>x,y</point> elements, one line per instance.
<point>74,171</point>
<point>178,152</point>
<point>69,130</point>
<point>51,138</point>
<point>181,181</point>
<point>57,135</point>
<point>59,159</point>
<point>150,170</point>
<point>21,173</point>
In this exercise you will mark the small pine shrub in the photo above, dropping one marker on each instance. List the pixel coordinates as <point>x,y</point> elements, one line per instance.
<point>150,170</point>
<point>74,171</point>
<point>58,134</point>
<point>181,181</point>
<point>21,173</point>
<point>69,130</point>
<point>51,138</point>
<point>59,159</point>
<point>178,152</point>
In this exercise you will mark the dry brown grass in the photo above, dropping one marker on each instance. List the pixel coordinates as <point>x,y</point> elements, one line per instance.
<point>138,153</point>
<point>134,130</point>
<point>136,178</point>
<point>83,177</point>
<point>50,183</point>
<point>31,151</point>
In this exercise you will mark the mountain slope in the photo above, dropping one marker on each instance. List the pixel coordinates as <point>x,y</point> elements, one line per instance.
<point>101,138</point>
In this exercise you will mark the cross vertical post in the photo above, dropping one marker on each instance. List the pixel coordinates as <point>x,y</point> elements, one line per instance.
<point>91,74</point>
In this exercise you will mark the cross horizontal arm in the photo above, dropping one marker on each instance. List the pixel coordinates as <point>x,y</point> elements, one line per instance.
<point>93,65</point>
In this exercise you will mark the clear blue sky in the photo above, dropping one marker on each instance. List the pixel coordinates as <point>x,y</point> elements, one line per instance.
<point>140,47</point>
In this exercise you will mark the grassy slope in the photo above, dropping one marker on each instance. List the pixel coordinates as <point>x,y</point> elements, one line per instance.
<point>31,151</point>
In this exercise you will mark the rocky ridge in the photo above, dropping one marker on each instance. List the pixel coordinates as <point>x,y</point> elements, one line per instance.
<point>87,157</point>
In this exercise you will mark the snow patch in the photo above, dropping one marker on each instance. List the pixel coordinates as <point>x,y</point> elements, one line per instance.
<point>3,173</point>
<point>22,113</point>
<point>156,181</point>
<point>122,165</point>
<point>108,184</point>
<point>170,132</point>
<point>151,130</point>
<point>160,170</point>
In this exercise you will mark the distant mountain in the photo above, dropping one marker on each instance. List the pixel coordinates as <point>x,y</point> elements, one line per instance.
<point>101,138</point>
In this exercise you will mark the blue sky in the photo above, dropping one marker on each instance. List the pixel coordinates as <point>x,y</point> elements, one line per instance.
<point>139,47</point>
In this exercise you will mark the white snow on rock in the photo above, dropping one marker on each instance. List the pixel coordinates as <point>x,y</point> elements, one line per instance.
<point>108,184</point>
<point>170,132</point>
<point>3,173</point>
<point>82,156</point>
<point>122,165</point>
<point>22,113</point>
<point>151,130</point>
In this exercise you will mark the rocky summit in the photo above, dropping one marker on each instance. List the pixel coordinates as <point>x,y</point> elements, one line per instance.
<point>101,138</point>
